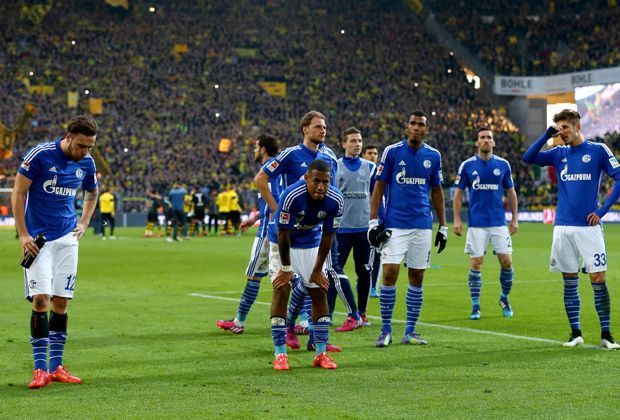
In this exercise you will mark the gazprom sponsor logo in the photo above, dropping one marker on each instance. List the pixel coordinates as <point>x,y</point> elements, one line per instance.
<point>476,185</point>
<point>354,194</point>
<point>565,176</point>
<point>50,187</point>
<point>402,178</point>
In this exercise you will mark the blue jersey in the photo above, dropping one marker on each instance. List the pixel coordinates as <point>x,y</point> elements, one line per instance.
<point>263,208</point>
<point>50,202</point>
<point>291,165</point>
<point>579,172</point>
<point>304,217</point>
<point>177,198</point>
<point>408,175</point>
<point>486,181</point>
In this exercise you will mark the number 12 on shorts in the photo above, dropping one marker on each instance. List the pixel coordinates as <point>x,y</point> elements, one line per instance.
<point>70,282</point>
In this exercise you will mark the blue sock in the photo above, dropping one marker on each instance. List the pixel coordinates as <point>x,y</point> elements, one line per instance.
<point>602,304</point>
<point>57,347</point>
<point>39,352</point>
<point>572,304</point>
<point>475,284</point>
<point>297,302</point>
<point>386,303</point>
<point>505,278</point>
<point>39,338</point>
<point>307,309</point>
<point>343,286</point>
<point>321,333</point>
<point>414,305</point>
<point>278,333</point>
<point>247,299</point>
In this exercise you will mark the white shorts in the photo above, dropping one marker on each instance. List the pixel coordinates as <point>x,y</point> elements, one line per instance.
<point>478,239</point>
<point>572,242</point>
<point>259,258</point>
<point>414,243</point>
<point>53,271</point>
<point>302,261</point>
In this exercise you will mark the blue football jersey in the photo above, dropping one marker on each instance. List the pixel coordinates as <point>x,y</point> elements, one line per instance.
<point>409,176</point>
<point>579,171</point>
<point>50,202</point>
<point>486,181</point>
<point>263,208</point>
<point>304,216</point>
<point>177,198</point>
<point>292,163</point>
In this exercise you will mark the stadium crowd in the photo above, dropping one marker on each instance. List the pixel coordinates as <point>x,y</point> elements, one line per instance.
<point>165,112</point>
<point>535,38</point>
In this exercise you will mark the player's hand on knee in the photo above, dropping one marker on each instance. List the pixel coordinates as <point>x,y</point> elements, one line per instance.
<point>282,279</point>
<point>377,234</point>
<point>441,238</point>
<point>319,278</point>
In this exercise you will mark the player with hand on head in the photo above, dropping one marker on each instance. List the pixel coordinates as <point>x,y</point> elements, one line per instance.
<point>265,148</point>
<point>409,172</point>
<point>487,175</point>
<point>578,230</point>
<point>43,203</point>
<point>308,216</point>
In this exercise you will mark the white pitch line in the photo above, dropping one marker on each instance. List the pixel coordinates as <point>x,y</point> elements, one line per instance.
<point>426,324</point>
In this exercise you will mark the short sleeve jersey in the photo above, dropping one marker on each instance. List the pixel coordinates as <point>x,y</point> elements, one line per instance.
<point>50,207</point>
<point>305,217</point>
<point>409,175</point>
<point>486,181</point>
<point>579,172</point>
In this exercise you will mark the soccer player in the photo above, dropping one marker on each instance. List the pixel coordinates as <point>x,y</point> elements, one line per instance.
<point>223,208</point>
<point>265,148</point>
<point>410,169</point>
<point>371,153</point>
<point>486,175</point>
<point>353,180</point>
<point>213,211</point>
<point>198,218</point>
<point>43,203</point>
<point>292,163</point>
<point>177,199</point>
<point>308,215</point>
<point>152,219</point>
<point>578,230</point>
<point>107,207</point>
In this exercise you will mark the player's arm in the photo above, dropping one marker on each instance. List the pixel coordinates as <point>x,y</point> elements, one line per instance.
<point>533,153</point>
<point>375,199</point>
<point>90,202</point>
<point>18,198</point>
<point>249,222</point>
<point>457,203</point>
<point>513,205</point>
<point>595,217</point>
<point>318,276</point>
<point>262,183</point>
<point>285,274</point>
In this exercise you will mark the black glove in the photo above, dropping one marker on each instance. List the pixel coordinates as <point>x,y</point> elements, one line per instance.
<point>441,238</point>
<point>377,234</point>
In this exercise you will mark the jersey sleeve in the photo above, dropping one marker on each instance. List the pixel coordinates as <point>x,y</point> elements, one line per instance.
<point>89,182</point>
<point>386,166</point>
<point>31,165</point>
<point>276,166</point>
<point>332,221</point>
<point>285,215</point>
<point>610,163</point>
<point>507,182</point>
<point>437,174</point>
<point>462,178</point>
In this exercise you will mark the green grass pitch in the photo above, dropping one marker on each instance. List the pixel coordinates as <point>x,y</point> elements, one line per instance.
<point>142,336</point>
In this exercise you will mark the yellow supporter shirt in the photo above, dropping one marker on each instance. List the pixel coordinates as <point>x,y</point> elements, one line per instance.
<point>234,201</point>
<point>106,203</point>
<point>223,202</point>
